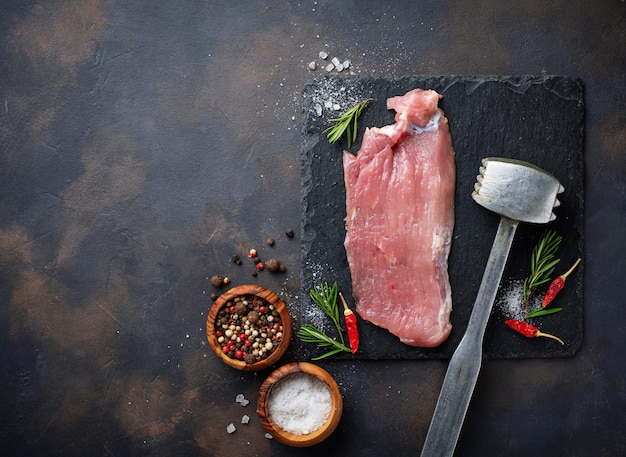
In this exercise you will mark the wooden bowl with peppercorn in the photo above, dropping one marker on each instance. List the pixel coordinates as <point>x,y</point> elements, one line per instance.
<point>249,327</point>
<point>300,404</point>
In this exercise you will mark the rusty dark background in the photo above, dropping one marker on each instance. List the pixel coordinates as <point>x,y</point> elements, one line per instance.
<point>143,143</point>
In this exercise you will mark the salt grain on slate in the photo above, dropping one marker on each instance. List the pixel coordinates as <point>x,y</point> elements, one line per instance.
<point>332,96</point>
<point>231,428</point>
<point>241,400</point>
<point>510,300</point>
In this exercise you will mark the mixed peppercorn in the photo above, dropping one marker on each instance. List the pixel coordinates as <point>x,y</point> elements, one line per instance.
<point>248,328</point>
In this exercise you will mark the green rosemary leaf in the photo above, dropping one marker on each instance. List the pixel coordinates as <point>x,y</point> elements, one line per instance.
<point>327,354</point>
<point>346,123</point>
<point>542,312</point>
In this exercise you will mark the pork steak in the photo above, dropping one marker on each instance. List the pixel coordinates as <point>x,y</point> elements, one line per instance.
<point>400,217</point>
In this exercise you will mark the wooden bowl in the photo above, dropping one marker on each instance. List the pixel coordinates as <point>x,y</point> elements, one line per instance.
<point>227,299</point>
<point>275,382</point>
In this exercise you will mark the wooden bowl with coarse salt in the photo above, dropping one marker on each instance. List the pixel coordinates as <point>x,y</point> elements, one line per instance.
<point>300,404</point>
<point>249,327</point>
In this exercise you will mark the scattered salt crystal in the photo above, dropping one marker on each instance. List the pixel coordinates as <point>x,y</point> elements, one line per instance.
<point>241,399</point>
<point>245,419</point>
<point>336,106</point>
<point>269,436</point>
<point>231,428</point>
<point>339,67</point>
<point>510,300</point>
<point>335,92</point>
<point>323,55</point>
<point>312,65</point>
<point>329,67</point>
<point>346,64</point>
<point>335,61</point>
<point>300,404</point>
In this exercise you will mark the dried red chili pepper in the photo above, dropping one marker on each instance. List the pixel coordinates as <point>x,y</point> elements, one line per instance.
<point>353,331</point>
<point>557,285</point>
<point>529,330</point>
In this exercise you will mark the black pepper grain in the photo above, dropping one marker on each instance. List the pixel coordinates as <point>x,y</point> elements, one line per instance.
<point>290,233</point>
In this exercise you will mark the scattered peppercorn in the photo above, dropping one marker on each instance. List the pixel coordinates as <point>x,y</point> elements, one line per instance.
<point>214,296</point>
<point>237,259</point>
<point>252,253</point>
<point>217,281</point>
<point>270,241</point>
<point>272,265</point>
<point>226,280</point>
<point>260,266</point>
<point>290,233</point>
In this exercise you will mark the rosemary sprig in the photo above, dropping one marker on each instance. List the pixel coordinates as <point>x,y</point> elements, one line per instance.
<point>325,297</point>
<point>310,334</point>
<point>347,122</point>
<point>542,263</point>
<point>542,312</point>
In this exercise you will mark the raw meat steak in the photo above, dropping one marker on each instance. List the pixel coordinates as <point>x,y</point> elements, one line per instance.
<point>400,217</point>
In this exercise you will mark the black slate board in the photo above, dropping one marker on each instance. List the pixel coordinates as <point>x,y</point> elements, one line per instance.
<point>538,119</point>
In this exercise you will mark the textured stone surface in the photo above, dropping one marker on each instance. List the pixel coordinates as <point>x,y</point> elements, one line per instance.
<point>538,119</point>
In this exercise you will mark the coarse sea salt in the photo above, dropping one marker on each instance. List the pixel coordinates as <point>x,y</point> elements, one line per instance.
<point>510,300</point>
<point>241,399</point>
<point>300,404</point>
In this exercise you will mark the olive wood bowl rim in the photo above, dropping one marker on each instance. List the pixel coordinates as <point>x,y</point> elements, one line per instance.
<point>267,295</point>
<point>289,438</point>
